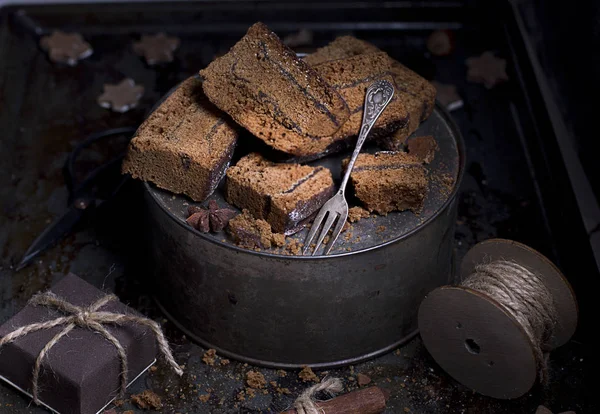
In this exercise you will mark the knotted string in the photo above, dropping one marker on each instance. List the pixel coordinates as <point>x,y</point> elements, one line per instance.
<point>525,296</point>
<point>86,317</point>
<point>305,403</point>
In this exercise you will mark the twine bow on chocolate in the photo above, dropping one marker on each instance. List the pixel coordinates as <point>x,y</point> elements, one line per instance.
<point>86,317</point>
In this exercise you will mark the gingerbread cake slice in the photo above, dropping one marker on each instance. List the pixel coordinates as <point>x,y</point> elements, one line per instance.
<point>388,181</point>
<point>279,98</point>
<point>415,92</point>
<point>185,145</point>
<point>351,77</point>
<point>284,195</point>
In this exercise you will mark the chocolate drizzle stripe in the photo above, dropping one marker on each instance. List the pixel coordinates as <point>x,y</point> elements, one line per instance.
<point>263,97</point>
<point>302,180</point>
<point>211,133</point>
<point>304,91</point>
<point>384,167</point>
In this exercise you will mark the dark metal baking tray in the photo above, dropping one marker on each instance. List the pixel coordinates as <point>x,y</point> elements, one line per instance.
<point>515,187</point>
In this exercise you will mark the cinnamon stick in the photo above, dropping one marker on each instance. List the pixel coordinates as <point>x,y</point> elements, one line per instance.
<point>370,400</point>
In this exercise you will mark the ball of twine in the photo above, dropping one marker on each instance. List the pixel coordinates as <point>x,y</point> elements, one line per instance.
<point>305,403</point>
<point>525,297</point>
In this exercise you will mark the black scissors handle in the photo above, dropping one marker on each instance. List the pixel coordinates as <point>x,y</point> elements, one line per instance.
<point>73,186</point>
<point>81,199</point>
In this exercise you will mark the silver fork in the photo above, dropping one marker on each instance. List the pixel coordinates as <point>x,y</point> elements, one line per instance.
<point>378,96</point>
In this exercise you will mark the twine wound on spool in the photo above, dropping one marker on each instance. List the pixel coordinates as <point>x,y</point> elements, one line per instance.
<point>525,296</point>
<point>305,403</point>
<point>86,317</point>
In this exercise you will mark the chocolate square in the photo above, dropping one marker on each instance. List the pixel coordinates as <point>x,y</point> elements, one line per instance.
<point>80,373</point>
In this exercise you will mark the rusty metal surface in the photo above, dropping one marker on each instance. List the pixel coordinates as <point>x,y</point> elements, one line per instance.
<point>45,109</point>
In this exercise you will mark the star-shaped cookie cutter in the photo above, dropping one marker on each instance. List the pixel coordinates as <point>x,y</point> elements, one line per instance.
<point>487,69</point>
<point>157,48</point>
<point>122,96</point>
<point>66,48</point>
<point>448,96</point>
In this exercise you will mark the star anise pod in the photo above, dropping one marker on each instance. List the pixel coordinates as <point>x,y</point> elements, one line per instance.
<point>212,219</point>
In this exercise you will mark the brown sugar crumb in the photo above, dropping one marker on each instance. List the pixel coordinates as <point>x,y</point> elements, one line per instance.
<point>249,232</point>
<point>346,227</point>
<point>388,181</point>
<point>210,357</point>
<point>281,373</point>
<point>363,379</point>
<point>147,400</point>
<point>225,362</point>
<point>278,239</point>
<point>279,389</point>
<point>307,375</point>
<point>423,148</point>
<point>294,247</point>
<point>255,379</point>
<point>204,397</point>
<point>357,213</point>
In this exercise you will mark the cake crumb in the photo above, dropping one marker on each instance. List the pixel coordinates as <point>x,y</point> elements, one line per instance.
<point>278,239</point>
<point>281,373</point>
<point>255,379</point>
<point>147,400</point>
<point>348,236</point>
<point>357,213</point>
<point>380,229</point>
<point>118,403</point>
<point>209,357</point>
<point>423,148</point>
<point>280,390</point>
<point>128,412</point>
<point>250,392</point>
<point>241,396</point>
<point>347,226</point>
<point>249,232</point>
<point>307,375</point>
<point>294,247</point>
<point>225,361</point>
<point>204,397</point>
<point>153,368</point>
<point>363,379</point>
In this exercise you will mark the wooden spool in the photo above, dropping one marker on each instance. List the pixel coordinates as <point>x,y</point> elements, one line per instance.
<point>476,340</point>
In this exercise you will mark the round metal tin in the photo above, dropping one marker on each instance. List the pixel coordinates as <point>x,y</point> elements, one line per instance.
<point>277,310</point>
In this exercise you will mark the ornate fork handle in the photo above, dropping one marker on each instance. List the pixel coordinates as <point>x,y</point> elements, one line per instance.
<point>378,96</point>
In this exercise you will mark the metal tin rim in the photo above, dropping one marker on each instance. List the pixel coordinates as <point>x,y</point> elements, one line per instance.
<point>461,169</point>
<point>282,365</point>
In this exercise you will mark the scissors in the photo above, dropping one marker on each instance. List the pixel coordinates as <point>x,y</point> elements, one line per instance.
<point>95,188</point>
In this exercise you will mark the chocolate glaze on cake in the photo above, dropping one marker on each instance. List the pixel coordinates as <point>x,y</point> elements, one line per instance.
<point>414,92</point>
<point>284,195</point>
<point>184,146</point>
<point>275,95</point>
<point>388,181</point>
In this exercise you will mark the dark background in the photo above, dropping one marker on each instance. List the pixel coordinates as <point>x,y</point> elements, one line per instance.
<point>46,109</point>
